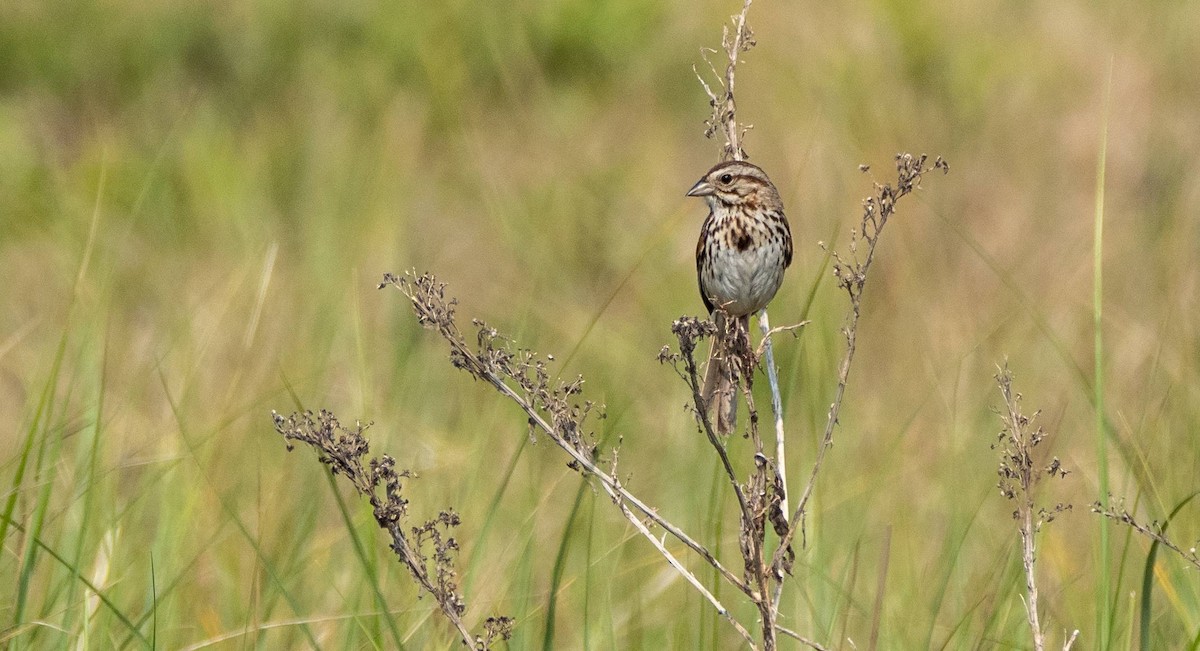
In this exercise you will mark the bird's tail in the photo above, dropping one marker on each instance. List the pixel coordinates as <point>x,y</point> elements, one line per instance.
<point>720,390</point>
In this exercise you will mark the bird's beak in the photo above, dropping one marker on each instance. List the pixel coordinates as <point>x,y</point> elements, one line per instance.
<point>701,189</point>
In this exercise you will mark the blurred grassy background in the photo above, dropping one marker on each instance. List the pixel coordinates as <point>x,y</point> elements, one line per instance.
<point>197,199</point>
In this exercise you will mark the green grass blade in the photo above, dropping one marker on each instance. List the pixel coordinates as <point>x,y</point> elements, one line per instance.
<point>100,594</point>
<point>588,577</point>
<point>233,516</point>
<point>880,590</point>
<point>49,438</point>
<point>181,579</point>
<point>845,601</point>
<point>1148,579</point>
<point>716,496</point>
<point>560,561</point>
<point>86,489</point>
<point>153,605</point>
<point>1104,607</point>
<point>30,437</point>
<point>489,519</point>
<point>954,551</point>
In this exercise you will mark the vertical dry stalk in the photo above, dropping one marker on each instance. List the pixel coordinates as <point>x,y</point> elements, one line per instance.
<point>724,119</point>
<point>766,486</point>
<point>1019,475</point>
<point>724,109</point>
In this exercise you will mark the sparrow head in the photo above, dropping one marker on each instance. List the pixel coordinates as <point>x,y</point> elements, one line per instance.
<point>737,183</point>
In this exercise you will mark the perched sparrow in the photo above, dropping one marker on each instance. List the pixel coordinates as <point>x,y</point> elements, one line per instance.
<point>745,246</point>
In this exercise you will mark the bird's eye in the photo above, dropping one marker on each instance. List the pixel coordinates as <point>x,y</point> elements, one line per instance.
<point>726,178</point>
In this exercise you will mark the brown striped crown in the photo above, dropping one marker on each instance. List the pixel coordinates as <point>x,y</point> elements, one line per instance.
<point>737,183</point>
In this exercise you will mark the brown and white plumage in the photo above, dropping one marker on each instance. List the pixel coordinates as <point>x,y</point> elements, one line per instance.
<point>745,246</point>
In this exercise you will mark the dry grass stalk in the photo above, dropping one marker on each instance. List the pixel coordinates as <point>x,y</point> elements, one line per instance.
<point>760,497</point>
<point>1019,475</point>
<point>764,496</point>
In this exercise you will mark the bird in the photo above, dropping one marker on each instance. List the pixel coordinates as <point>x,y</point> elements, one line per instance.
<point>744,248</point>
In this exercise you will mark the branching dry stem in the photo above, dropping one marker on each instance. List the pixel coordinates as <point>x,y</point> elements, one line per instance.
<point>1019,475</point>
<point>724,109</point>
<point>428,550</point>
<point>852,273</point>
<point>769,332</point>
<point>1155,530</point>
<point>550,411</point>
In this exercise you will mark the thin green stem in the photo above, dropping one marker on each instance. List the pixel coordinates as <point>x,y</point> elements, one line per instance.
<point>1103,611</point>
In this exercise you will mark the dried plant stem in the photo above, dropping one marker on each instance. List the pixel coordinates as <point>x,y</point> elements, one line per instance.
<point>764,324</point>
<point>851,334</point>
<point>419,573</point>
<point>691,578</point>
<point>693,380</point>
<point>344,451</point>
<point>852,277</point>
<point>620,496</point>
<point>759,496</point>
<point>767,484</point>
<point>753,512</point>
<point>617,492</point>
<point>1028,559</point>
<point>1019,476</point>
<point>1025,511</point>
<point>435,312</point>
<point>724,115</point>
<point>799,638</point>
<point>762,499</point>
<point>1154,531</point>
<point>852,274</point>
<point>742,40</point>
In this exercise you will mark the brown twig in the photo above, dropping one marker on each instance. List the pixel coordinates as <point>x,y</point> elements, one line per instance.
<point>852,275</point>
<point>799,638</point>
<point>759,497</point>
<point>689,331</point>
